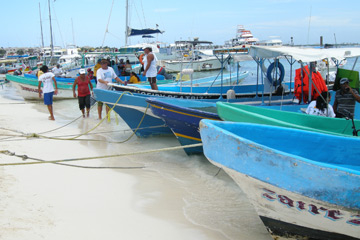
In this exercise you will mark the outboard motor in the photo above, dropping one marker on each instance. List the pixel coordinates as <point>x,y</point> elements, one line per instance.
<point>17,72</point>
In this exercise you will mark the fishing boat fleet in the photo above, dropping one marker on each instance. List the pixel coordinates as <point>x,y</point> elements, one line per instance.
<point>301,172</point>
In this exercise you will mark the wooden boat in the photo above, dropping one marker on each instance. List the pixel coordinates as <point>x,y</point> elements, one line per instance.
<point>28,88</point>
<point>183,116</point>
<point>302,184</point>
<point>133,109</point>
<point>252,114</point>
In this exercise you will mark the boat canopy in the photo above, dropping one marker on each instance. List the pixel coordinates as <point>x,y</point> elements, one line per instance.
<point>304,54</point>
<point>136,32</point>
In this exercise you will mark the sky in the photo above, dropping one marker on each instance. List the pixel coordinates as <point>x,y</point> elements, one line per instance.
<point>84,22</point>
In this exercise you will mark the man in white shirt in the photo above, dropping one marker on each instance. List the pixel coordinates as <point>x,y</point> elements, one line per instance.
<point>57,71</point>
<point>47,79</point>
<point>150,70</point>
<point>105,75</point>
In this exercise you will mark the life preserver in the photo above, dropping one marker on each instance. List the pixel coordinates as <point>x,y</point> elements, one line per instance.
<point>141,57</point>
<point>281,70</point>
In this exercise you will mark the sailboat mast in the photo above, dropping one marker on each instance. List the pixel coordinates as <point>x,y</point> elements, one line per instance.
<point>51,43</point>
<point>72,25</point>
<point>126,23</point>
<point>42,36</point>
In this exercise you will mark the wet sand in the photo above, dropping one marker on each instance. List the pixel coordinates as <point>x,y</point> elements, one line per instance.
<point>172,196</point>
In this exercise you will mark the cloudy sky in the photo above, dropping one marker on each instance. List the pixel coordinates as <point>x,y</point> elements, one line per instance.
<point>215,21</point>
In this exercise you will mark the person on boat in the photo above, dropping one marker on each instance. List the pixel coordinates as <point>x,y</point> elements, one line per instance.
<point>150,67</point>
<point>96,67</point>
<point>83,83</point>
<point>321,106</point>
<point>141,60</point>
<point>47,79</point>
<point>121,67</point>
<point>127,68</point>
<point>57,71</point>
<point>90,74</point>
<point>134,78</point>
<point>345,99</point>
<point>39,73</point>
<point>105,75</point>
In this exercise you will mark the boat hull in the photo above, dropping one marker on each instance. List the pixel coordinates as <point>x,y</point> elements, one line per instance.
<point>28,88</point>
<point>293,194</point>
<point>133,110</point>
<point>183,120</point>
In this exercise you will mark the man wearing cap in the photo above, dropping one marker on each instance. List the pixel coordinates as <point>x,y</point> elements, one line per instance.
<point>345,99</point>
<point>150,67</point>
<point>105,75</point>
<point>83,83</point>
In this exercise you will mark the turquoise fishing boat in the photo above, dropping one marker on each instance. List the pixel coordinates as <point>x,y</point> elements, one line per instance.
<point>252,114</point>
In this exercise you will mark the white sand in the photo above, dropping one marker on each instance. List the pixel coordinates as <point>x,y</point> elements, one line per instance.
<point>173,197</point>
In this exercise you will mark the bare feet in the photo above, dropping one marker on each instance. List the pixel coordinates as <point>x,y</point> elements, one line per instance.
<point>51,118</point>
<point>87,114</point>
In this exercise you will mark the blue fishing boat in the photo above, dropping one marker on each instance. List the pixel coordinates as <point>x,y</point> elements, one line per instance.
<point>302,184</point>
<point>133,109</point>
<point>209,88</point>
<point>183,118</point>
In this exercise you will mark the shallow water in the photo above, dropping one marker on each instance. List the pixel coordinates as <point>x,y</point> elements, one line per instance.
<point>173,196</point>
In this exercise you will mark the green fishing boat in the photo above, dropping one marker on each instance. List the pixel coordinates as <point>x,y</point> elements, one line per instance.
<point>250,114</point>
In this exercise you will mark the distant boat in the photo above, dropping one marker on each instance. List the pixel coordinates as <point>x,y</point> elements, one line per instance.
<point>252,114</point>
<point>28,87</point>
<point>303,185</point>
<point>190,54</point>
<point>243,37</point>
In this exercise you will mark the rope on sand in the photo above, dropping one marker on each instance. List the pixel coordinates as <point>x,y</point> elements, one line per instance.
<point>25,157</point>
<point>39,135</point>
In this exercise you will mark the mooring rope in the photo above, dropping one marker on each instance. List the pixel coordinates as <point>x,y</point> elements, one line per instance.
<point>25,157</point>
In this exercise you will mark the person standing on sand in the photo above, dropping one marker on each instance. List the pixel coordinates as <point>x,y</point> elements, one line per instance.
<point>83,83</point>
<point>105,75</point>
<point>150,67</point>
<point>47,80</point>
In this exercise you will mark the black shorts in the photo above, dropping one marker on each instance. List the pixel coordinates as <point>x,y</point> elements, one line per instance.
<point>152,80</point>
<point>84,102</point>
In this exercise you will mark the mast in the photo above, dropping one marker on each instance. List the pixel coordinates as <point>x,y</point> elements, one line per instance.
<point>42,36</point>
<point>51,43</point>
<point>126,22</point>
<point>72,25</point>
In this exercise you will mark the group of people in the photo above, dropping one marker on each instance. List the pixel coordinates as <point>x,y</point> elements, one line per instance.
<point>103,75</point>
<point>344,104</point>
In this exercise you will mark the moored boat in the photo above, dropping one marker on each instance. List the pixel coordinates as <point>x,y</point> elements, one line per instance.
<point>253,114</point>
<point>302,184</point>
<point>28,88</point>
<point>133,109</point>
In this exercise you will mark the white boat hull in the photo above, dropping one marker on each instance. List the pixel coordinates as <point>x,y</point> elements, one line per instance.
<point>30,92</point>
<point>198,65</point>
<point>278,207</point>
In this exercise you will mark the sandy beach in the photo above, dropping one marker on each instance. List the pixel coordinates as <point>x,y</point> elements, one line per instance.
<point>162,196</point>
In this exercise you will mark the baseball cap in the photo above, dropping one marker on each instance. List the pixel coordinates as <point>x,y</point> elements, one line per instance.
<point>82,71</point>
<point>344,80</point>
